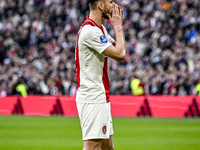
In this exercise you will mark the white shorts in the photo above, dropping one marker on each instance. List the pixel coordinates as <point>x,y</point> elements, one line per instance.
<point>96,120</point>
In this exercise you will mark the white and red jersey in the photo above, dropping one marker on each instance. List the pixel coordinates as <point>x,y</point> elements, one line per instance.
<point>91,63</point>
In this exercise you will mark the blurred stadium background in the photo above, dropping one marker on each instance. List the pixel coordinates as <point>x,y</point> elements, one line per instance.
<point>160,76</point>
<point>37,45</point>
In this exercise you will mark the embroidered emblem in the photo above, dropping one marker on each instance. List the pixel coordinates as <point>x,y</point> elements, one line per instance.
<point>104,129</point>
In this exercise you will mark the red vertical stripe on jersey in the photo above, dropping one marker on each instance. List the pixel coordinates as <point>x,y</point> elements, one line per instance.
<point>77,54</point>
<point>105,70</point>
<point>77,63</point>
<point>106,80</point>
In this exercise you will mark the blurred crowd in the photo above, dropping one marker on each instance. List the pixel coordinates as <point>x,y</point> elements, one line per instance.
<point>38,37</point>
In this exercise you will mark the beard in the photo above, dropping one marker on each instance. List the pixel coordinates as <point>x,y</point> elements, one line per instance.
<point>105,12</point>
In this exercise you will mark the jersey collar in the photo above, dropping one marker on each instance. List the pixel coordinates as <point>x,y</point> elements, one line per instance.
<point>92,23</point>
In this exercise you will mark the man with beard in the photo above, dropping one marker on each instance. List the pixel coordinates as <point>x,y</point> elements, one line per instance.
<point>93,46</point>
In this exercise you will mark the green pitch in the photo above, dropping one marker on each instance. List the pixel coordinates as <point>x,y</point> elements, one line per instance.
<point>62,133</point>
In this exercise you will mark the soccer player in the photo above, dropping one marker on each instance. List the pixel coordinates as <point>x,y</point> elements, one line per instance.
<point>93,46</point>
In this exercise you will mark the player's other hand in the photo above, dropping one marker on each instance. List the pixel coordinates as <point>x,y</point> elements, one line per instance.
<point>117,17</point>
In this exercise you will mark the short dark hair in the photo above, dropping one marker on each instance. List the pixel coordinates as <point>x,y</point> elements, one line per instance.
<point>93,3</point>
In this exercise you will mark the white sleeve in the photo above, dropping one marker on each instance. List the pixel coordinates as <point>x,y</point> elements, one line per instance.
<point>95,39</point>
<point>110,39</point>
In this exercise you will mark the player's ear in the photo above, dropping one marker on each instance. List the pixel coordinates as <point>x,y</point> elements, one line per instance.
<point>101,5</point>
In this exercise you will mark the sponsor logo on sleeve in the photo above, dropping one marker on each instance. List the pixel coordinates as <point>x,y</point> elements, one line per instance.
<point>103,39</point>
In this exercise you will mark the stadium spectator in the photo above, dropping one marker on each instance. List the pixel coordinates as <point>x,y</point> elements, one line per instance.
<point>21,88</point>
<point>137,87</point>
<point>197,87</point>
<point>37,42</point>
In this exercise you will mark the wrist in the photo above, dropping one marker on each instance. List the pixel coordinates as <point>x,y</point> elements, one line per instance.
<point>118,27</point>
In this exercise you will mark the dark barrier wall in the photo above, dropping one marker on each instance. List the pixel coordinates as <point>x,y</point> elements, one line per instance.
<point>121,106</point>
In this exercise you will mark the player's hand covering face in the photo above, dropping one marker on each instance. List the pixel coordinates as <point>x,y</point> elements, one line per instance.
<point>116,19</point>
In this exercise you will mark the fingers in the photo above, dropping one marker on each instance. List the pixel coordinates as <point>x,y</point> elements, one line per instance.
<point>109,16</point>
<point>116,9</point>
<point>122,15</point>
<point>116,17</point>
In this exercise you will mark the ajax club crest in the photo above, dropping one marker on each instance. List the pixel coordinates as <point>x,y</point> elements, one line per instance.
<point>104,129</point>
